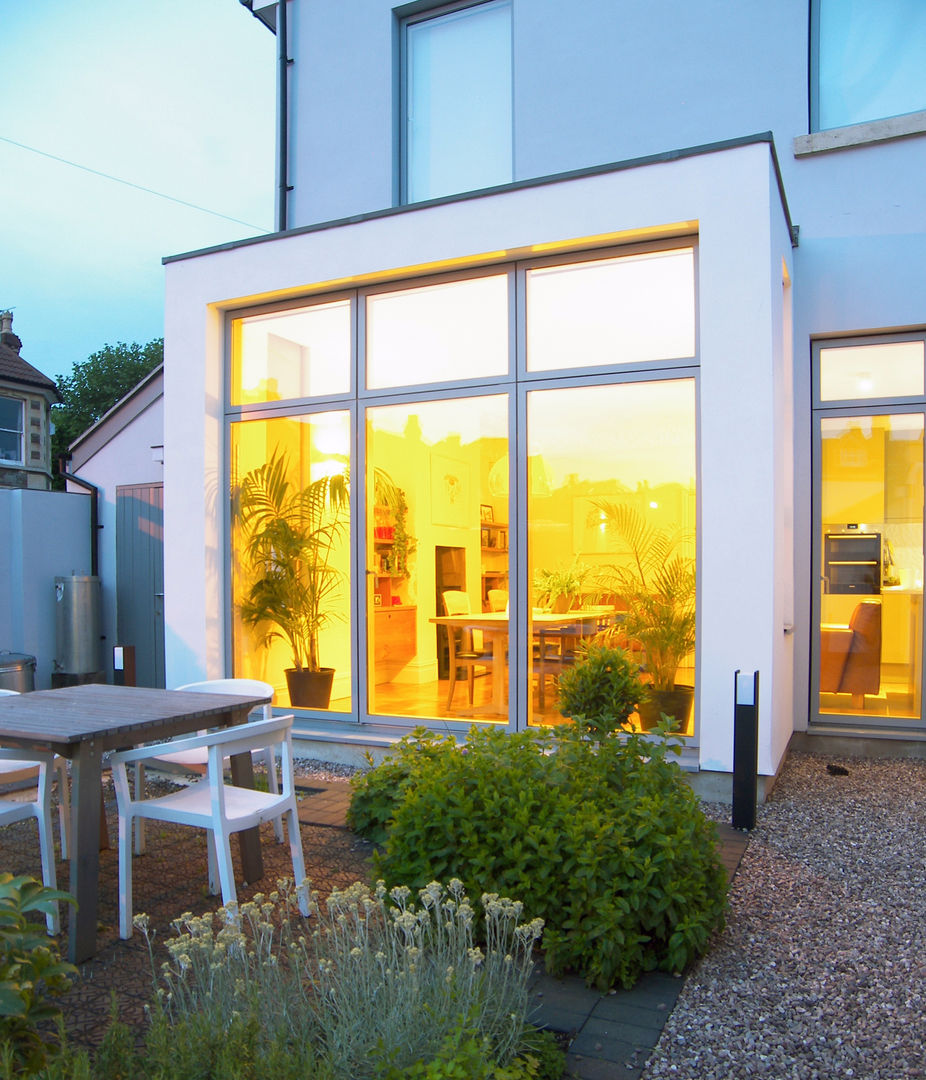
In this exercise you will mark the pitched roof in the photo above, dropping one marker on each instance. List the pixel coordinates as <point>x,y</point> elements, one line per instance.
<point>14,369</point>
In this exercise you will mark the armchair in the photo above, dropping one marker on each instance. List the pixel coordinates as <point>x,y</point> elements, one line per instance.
<point>850,656</point>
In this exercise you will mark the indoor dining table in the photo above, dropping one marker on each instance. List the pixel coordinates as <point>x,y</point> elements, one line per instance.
<point>494,625</point>
<point>82,723</point>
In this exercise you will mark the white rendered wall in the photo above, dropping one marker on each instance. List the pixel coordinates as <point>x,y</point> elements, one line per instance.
<point>43,535</point>
<point>127,458</point>
<point>743,242</point>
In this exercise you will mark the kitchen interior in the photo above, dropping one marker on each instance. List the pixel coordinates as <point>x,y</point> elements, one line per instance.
<point>871,604</point>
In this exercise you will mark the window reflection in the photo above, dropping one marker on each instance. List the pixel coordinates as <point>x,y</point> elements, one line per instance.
<point>611,536</point>
<point>292,354</point>
<point>435,333</point>
<point>611,311</point>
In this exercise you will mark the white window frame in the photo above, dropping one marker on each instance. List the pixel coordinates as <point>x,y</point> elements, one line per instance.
<point>21,460</point>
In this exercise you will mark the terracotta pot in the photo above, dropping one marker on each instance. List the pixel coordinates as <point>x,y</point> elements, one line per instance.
<point>676,703</point>
<point>309,689</point>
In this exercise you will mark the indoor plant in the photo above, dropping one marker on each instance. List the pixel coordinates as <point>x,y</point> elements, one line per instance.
<point>290,534</point>
<point>656,586</point>
<point>560,589</point>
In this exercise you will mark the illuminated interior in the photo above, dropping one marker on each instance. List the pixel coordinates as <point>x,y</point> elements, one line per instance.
<point>871,566</point>
<point>433,549</point>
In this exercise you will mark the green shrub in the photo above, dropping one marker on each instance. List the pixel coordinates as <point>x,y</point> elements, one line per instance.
<point>600,690</point>
<point>379,791</point>
<point>31,973</point>
<point>604,841</point>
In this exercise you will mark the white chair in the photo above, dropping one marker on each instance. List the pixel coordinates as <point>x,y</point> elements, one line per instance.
<point>28,769</point>
<point>211,804</point>
<point>42,765</point>
<point>196,759</point>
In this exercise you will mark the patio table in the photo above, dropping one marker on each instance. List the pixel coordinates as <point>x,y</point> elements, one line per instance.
<point>81,723</point>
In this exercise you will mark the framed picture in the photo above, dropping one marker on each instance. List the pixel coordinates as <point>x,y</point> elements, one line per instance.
<point>486,513</point>
<point>378,599</point>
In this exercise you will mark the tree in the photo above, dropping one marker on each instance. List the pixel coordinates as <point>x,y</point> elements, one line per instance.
<point>94,386</point>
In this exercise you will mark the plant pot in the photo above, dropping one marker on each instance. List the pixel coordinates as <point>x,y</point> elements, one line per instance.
<point>562,604</point>
<point>309,689</point>
<point>676,703</point>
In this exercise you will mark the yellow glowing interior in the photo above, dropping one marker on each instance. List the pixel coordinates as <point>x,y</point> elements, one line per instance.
<point>871,569</point>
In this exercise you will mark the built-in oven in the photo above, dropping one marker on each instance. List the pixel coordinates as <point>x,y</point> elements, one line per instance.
<point>852,563</point>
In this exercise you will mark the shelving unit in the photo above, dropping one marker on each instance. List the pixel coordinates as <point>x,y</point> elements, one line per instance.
<point>394,624</point>
<point>494,545</point>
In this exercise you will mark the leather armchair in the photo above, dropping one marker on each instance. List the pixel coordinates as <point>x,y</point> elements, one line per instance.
<point>850,656</point>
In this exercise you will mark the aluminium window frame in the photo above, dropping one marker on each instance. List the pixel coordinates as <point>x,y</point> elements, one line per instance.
<point>517,383</point>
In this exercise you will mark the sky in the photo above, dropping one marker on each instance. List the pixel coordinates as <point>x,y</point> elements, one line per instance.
<point>177,96</point>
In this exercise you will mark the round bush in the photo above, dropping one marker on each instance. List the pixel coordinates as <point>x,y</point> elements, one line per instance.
<point>604,841</point>
<point>601,689</point>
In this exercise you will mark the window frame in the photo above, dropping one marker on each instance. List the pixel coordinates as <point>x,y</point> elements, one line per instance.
<point>412,15</point>
<point>21,432</point>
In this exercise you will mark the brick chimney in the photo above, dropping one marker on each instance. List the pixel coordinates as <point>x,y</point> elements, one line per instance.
<point>7,337</point>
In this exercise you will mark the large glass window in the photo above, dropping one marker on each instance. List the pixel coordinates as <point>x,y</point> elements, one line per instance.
<point>888,369</point>
<point>290,557</point>
<point>869,60</point>
<point>869,641</point>
<point>437,559</point>
<point>437,333</point>
<point>458,100</point>
<point>611,311</point>
<point>611,535</point>
<point>571,493</point>
<point>292,354</point>
<point>11,430</point>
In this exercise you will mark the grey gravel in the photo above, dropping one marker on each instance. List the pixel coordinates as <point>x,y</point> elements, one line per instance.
<point>323,771</point>
<point>821,969</point>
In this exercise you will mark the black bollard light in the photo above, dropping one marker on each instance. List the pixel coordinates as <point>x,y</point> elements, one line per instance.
<point>745,749</point>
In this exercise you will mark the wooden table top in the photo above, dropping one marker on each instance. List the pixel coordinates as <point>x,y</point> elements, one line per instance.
<point>112,715</point>
<point>487,620</point>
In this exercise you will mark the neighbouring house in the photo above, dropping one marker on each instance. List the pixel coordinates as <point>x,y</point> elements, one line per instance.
<point>122,457</point>
<point>558,288</point>
<point>26,398</point>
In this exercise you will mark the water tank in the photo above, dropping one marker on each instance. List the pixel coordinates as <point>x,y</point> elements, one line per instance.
<point>78,625</point>
<point>17,672</point>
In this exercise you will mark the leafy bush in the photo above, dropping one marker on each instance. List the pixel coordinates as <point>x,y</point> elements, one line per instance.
<point>601,689</point>
<point>606,842</point>
<point>31,973</point>
<point>379,791</point>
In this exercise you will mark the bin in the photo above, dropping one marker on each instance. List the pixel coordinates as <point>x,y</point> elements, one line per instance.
<point>17,672</point>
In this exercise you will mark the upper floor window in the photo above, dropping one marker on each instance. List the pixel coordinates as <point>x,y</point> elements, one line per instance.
<point>11,430</point>
<point>870,60</point>
<point>457,100</point>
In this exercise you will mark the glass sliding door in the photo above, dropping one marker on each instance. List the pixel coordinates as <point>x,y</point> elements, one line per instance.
<point>290,557</point>
<point>611,536</point>
<point>437,544</point>
<point>870,551</point>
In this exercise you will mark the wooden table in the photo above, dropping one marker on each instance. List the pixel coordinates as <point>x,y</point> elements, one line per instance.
<point>80,723</point>
<point>494,624</point>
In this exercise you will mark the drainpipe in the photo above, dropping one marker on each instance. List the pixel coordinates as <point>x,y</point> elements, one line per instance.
<point>284,61</point>
<point>95,526</point>
<point>276,18</point>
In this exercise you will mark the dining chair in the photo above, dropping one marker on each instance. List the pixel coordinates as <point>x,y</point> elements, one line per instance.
<point>196,760</point>
<point>212,804</point>
<point>498,599</point>
<point>41,764</point>
<point>27,769</point>
<point>463,650</point>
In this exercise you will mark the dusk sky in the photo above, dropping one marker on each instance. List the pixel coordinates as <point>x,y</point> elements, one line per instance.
<point>172,95</point>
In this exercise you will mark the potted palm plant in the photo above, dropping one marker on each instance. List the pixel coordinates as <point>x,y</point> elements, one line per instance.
<point>290,534</point>
<point>655,583</point>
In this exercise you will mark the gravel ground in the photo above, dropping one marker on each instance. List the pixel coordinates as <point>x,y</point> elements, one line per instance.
<point>324,771</point>
<point>820,970</point>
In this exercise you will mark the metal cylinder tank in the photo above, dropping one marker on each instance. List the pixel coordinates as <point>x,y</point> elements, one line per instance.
<point>17,672</point>
<point>78,624</point>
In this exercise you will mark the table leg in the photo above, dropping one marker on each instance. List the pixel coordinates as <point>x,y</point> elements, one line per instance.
<point>499,672</point>
<point>85,851</point>
<point>252,862</point>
